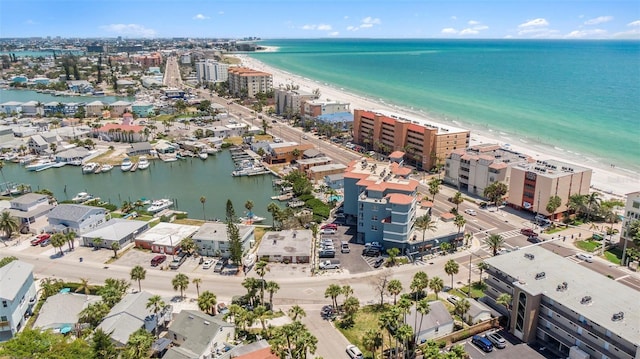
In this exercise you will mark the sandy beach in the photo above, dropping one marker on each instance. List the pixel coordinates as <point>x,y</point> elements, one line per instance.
<point>612,181</point>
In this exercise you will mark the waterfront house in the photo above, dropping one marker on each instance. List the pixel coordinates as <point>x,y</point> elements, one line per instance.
<point>165,237</point>
<point>139,149</point>
<point>60,312</point>
<point>164,146</point>
<point>75,217</point>
<point>29,207</point>
<point>289,246</point>
<point>305,163</point>
<point>436,323</point>
<point>72,155</point>
<point>318,173</point>
<point>212,239</point>
<point>127,316</point>
<point>124,133</point>
<point>115,230</point>
<point>11,107</point>
<point>118,108</point>
<point>32,108</point>
<point>52,108</point>
<point>18,297</point>
<point>80,86</point>
<point>284,152</point>
<point>94,108</point>
<point>195,334</point>
<point>37,145</point>
<point>123,84</point>
<point>142,109</point>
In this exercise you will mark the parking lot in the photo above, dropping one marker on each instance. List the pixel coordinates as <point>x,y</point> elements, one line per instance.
<point>353,262</point>
<point>514,349</point>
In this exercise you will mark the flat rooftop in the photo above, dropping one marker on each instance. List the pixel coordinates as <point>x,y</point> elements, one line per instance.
<point>552,168</point>
<point>167,234</point>
<point>442,128</point>
<point>607,296</point>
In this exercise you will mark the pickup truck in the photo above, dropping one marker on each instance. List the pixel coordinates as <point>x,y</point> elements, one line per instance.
<point>329,265</point>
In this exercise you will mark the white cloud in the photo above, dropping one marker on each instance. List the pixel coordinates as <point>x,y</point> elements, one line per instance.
<point>631,34</point>
<point>480,27</point>
<point>321,27</point>
<point>539,22</point>
<point>365,26</point>
<point>134,30</point>
<point>598,20</point>
<point>335,33</point>
<point>473,22</point>
<point>634,23</point>
<point>581,34</point>
<point>30,22</point>
<point>367,22</point>
<point>454,17</point>
<point>371,20</point>
<point>200,17</point>
<point>352,28</point>
<point>449,31</point>
<point>220,12</point>
<point>469,32</point>
<point>346,17</point>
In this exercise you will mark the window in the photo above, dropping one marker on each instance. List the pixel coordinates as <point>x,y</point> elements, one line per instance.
<point>374,228</point>
<point>3,318</point>
<point>4,303</point>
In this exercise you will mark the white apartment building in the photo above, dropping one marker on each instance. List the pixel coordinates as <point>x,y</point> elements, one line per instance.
<point>315,108</point>
<point>211,71</point>
<point>291,100</point>
<point>243,79</point>
<point>475,168</point>
<point>631,213</point>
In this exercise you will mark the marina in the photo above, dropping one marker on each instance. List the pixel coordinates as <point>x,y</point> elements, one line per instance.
<point>247,163</point>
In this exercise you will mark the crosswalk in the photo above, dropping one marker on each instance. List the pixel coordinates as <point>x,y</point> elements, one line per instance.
<point>505,235</point>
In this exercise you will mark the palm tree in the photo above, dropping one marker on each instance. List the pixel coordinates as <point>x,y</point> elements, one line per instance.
<point>424,223</point>
<point>84,286</point>
<point>419,282</point>
<point>372,340</point>
<point>8,224</point>
<point>494,241</point>
<point>333,291</point>
<point>504,299</point>
<point>207,302</point>
<point>58,241</point>
<point>93,313</point>
<point>495,192</point>
<point>71,237</point>
<point>203,199</point>
<point>296,312</point>
<point>434,188</point>
<point>197,282</point>
<point>115,247</point>
<point>482,266</point>
<point>271,287</point>
<point>422,307</point>
<point>394,287</point>
<point>459,221</point>
<point>97,242</point>
<point>389,320</point>
<point>593,203</point>
<point>261,270</point>
<point>451,268</point>
<point>274,210</point>
<point>578,204</point>
<point>462,307</point>
<point>403,334</point>
<point>138,273</point>
<point>457,199</point>
<point>436,284</point>
<point>262,314</point>
<point>139,345</point>
<point>157,304</point>
<point>553,204</point>
<point>180,282</point>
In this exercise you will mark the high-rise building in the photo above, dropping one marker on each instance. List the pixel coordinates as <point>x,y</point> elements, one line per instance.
<point>631,214</point>
<point>211,71</point>
<point>249,82</point>
<point>425,144</point>
<point>289,101</point>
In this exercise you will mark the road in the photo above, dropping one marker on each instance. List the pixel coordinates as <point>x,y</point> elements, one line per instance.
<point>172,78</point>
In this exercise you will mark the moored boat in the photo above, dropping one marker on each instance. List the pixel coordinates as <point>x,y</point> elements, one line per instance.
<point>90,167</point>
<point>126,165</point>
<point>159,205</point>
<point>143,163</point>
<point>203,155</point>
<point>106,167</point>
<point>82,197</point>
<point>35,166</point>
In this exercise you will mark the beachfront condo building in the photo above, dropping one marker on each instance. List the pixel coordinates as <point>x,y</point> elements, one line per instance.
<point>381,198</point>
<point>210,71</point>
<point>631,214</point>
<point>426,144</point>
<point>290,102</point>
<point>248,82</point>
<point>532,185</point>
<point>473,169</point>
<point>572,310</point>
<point>314,108</point>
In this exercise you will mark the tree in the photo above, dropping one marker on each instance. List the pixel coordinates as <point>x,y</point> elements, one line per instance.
<point>504,299</point>
<point>71,237</point>
<point>494,241</point>
<point>84,286</point>
<point>462,307</point>
<point>451,268</point>
<point>197,282</point>
<point>230,212</point>
<point>207,302</point>
<point>113,291</point>
<point>156,304</point>
<point>394,288</point>
<point>495,192</point>
<point>203,199</point>
<point>393,253</point>
<point>380,284</point>
<point>58,241</point>
<point>457,199</point>
<point>350,308</point>
<point>261,270</point>
<point>554,203</point>
<point>273,209</point>
<point>262,314</point>
<point>97,242</point>
<point>180,282</point>
<point>139,345</point>
<point>188,245</point>
<point>593,204</point>
<point>271,287</point>
<point>425,223</point>
<point>296,312</point>
<point>138,273</point>
<point>372,340</point>
<point>434,188</point>
<point>102,346</point>
<point>115,247</point>
<point>34,343</point>
<point>422,307</point>
<point>482,266</point>
<point>93,313</point>
<point>50,286</point>
<point>333,291</point>
<point>459,221</point>
<point>578,204</point>
<point>6,260</point>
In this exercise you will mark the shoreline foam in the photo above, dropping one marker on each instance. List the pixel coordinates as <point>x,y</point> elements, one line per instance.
<point>607,179</point>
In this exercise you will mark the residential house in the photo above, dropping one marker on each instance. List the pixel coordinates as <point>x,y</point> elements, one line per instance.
<point>76,217</point>
<point>165,237</point>
<point>118,108</point>
<point>436,323</point>
<point>318,173</point>
<point>72,155</point>
<point>127,316</point>
<point>335,181</point>
<point>80,86</point>
<point>124,133</point>
<point>94,108</point>
<point>139,149</point>
<point>29,207</point>
<point>37,145</point>
<point>142,109</point>
<point>288,246</point>
<point>32,108</point>
<point>17,296</point>
<point>60,312</point>
<point>479,312</point>
<point>285,152</point>
<point>116,230</point>
<point>11,107</point>
<point>212,239</point>
<point>196,335</point>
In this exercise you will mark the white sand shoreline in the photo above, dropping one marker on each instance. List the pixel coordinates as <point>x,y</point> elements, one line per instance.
<point>612,181</point>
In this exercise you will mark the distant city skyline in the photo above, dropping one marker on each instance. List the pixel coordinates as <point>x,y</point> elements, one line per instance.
<point>542,19</point>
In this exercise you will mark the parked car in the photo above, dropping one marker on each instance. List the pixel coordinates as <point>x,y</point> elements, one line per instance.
<point>497,340</point>
<point>207,264</point>
<point>453,299</point>
<point>218,266</point>
<point>482,342</point>
<point>585,257</point>
<point>328,231</point>
<point>157,260</point>
<point>329,226</point>
<point>40,238</point>
<point>470,212</point>
<point>378,263</point>
<point>344,247</point>
<point>328,253</point>
<point>528,232</point>
<point>354,352</point>
<point>329,265</point>
<point>370,252</point>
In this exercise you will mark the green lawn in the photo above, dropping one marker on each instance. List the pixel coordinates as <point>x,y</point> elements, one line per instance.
<point>614,255</point>
<point>477,290</point>
<point>367,318</point>
<point>588,246</point>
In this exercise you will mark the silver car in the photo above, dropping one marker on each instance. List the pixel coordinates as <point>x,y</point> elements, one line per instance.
<point>497,340</point>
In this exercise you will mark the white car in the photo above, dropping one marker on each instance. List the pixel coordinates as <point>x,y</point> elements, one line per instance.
<point>328,231</point>
<point>354,352</point>
<point>470,212</point>
<point>585,257</point>
<point>453,299</point>
<point>207,264</point>
<point>329,265</point>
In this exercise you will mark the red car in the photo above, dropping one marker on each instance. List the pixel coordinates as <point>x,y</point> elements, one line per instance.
<point>40,238</point>
<point>528,232</point>
<point>330,226</point>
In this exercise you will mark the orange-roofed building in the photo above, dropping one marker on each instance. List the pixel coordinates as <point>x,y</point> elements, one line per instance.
<point>122,133</point>
<point>248,81</point>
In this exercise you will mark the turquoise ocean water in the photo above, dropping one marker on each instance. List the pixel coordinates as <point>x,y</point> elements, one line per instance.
<point>580,97</point>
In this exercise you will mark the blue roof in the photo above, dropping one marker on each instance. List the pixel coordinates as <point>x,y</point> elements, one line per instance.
<point>337,117</point>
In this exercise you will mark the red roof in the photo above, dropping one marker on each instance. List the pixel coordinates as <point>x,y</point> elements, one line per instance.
<point>399,198</point>
<point>396,154</point>
<point>264,353</point>
<point>115,126</point>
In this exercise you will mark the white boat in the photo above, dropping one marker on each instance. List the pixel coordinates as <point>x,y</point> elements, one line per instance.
<point>249,260</point>
<point>90,167</point>
<point>252,218</point>
<point>82,197</point>
<point>106,167</point>
<point>76,162</point>
<point>35,166</point>
<point>159,205</point>
<point>203,155</point>
<point>143,164</point>
<point>126,165</point>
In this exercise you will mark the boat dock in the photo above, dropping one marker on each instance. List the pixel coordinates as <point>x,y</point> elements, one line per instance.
<point>247,163</point>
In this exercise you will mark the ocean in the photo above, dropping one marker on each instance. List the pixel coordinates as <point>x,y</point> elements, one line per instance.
<point>577,97</point>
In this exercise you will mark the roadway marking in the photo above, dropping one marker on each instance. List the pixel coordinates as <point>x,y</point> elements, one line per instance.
<point>309,291</point>
<point>623,277</point>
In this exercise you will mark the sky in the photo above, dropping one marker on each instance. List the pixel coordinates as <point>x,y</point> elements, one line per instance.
<point>277,19</point>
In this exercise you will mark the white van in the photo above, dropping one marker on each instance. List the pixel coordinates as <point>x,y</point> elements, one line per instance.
<point>344,247</point>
